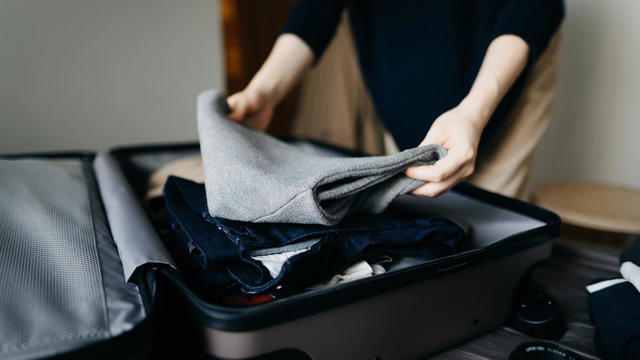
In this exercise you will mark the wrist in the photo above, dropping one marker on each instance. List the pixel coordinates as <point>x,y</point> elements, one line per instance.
<point>482,99</point>
<point>478,112</point>
<point>264,88</point>
<point>288,60</point>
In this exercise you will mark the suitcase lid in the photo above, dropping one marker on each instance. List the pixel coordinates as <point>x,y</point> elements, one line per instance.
<point>64,289</point>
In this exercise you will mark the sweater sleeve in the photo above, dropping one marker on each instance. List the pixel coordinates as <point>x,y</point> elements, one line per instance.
<point>315,22</point>
<point>535,21</point>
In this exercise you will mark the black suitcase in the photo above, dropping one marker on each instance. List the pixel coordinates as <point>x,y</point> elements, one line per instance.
<point>404,314</point>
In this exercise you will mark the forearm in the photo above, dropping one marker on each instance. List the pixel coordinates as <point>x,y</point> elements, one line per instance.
<point>287,62</point>
<point>504,60</point>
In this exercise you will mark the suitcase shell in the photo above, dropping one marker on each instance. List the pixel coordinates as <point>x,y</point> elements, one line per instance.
<point>404,314</point>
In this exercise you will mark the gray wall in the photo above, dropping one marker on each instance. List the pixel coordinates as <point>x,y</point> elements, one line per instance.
<point>89,74</point>
<point>595,130</point>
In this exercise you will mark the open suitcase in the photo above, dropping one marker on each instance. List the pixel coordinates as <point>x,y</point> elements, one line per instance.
<point>58,300</point>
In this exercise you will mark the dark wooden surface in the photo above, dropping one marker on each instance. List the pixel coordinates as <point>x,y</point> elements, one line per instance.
<point>572,266</point>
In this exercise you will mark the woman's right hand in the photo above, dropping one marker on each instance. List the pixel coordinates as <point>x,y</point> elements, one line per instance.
<point>252,108</point>
<point>286,63</point>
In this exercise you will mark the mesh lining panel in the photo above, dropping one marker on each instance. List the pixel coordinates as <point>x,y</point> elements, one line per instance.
<point>51,289</point>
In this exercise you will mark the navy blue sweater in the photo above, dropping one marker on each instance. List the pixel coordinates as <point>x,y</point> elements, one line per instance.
<point>419,58</point>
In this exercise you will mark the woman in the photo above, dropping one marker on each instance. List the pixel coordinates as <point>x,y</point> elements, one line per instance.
<point>454,70</point>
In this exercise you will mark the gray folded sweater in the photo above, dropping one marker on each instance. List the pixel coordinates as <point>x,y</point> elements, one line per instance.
<point>252,176</point>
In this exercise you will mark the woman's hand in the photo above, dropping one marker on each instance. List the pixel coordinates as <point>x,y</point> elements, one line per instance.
<point>458,131</point>
<point>286,64</point>
<point>252,108</point>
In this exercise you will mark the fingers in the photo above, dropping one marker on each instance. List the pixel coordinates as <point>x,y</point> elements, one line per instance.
<point>443,168</point>
<point>238,105</point>
<point>440,171</point>
<point>433,189</point>
<point>260,120</point>
<point>444,174</point>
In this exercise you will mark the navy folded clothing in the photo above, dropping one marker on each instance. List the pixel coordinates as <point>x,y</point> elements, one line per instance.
<point>252,176</point>
<point>630,263</point>
<point>615,312</point>
<point>221,249</point>
<point>632,253</point>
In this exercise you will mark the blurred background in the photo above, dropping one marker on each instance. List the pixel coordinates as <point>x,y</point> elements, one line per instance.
<point>89,74</point>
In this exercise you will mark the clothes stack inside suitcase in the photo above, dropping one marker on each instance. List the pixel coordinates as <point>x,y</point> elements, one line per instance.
<point>421,276</point>
<point>405,313</point>
<point>265,219</point>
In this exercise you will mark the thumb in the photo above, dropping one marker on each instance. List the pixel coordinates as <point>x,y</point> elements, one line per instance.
<point>434,136</point>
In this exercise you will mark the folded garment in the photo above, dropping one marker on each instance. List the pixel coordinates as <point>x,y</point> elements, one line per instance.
<point>614,307</point>
<point>360,270</point>
<point>221,250</point>
<point>630,263</point>
<point>406,262</point>
<point>632,253</point>
<point>631,272</point>
<point>251,176</point>
<point>186,168</point>
<point>275,259</point>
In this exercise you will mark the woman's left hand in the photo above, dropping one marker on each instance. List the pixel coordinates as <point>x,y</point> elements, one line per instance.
<point>457,130</point>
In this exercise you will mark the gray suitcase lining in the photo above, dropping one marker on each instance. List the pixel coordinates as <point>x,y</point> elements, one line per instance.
<point>60,274</point>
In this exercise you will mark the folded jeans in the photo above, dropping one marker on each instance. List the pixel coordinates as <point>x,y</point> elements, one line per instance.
<point>220,248</point>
